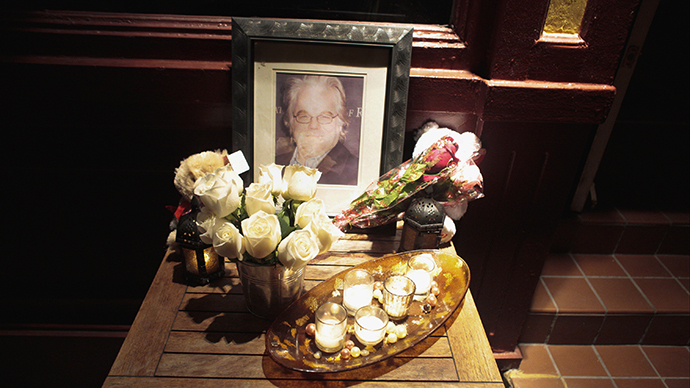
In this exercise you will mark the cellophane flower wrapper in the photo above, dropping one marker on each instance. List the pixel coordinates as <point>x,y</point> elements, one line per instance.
<point>454,181</point>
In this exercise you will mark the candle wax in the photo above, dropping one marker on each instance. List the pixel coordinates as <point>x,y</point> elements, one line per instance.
<point>367,336</point>
<point>422,282</point>
<point>421,279</point>
<point>357,296</point>
<point>329,335</point>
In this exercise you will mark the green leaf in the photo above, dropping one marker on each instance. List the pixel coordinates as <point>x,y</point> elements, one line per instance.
<point>286,224</point>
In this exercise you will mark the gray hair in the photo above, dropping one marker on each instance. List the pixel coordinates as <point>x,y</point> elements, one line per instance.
<point>294,85</point>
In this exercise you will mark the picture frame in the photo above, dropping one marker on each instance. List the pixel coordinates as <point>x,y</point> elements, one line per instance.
<point>371,63</point>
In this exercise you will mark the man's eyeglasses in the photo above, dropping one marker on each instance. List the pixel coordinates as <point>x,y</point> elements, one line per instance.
<point>323,119</point>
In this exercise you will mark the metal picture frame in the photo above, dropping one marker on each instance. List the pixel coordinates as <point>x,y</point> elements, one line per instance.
<point>264,51</point>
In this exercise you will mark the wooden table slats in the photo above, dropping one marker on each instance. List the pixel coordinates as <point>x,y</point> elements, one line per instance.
<point>167,382</point>
<point>205,337</point>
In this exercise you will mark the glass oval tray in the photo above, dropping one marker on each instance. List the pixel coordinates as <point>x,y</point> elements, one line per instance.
<point>288,344</point>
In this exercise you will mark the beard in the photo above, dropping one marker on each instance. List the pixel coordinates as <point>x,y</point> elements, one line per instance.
<point>313,144</point>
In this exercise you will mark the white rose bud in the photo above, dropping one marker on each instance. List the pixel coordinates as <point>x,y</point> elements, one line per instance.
<point>308,210</point>
<point>299,182</point>
<point>227,240</point>
<point>295,251</point>
<point>273,174</point>
<point>259,197</point>
<point>205,221</point>
<point>325,231</point>
<point>261,234</point>
<point>220,191</point>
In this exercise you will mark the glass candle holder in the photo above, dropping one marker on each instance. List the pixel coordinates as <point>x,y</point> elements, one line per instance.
<point>398,291</point>
<point>420,269</point>
<point>370,325</point>
<point>358,290</point>
<point>331,326</point>
<point>202,265</point>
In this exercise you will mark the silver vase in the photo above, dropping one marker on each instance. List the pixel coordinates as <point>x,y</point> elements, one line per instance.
<point>269,289</point>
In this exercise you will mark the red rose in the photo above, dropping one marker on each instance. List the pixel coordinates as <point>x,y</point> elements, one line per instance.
<point>441,157</point>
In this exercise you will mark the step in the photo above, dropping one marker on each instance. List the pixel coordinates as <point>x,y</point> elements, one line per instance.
<point>608,231</point>
<point>585,298</point>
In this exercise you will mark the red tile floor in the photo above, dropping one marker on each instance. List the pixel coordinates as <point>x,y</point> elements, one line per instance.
<point>601,366</point>
<point>608,320</point>
<point>611,299</point>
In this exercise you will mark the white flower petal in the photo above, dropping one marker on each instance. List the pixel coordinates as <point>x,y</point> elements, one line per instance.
<point>261,233</point>
<point>297,249</point>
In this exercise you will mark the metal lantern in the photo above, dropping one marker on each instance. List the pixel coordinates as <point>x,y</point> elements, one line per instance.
<point>202,263</point>
<point>423,225</point>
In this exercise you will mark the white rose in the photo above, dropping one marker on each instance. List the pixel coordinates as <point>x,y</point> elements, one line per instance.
<point>205,221</point>
<point>227,240</point>
<point>261,234</point>
<point>308,210</point>
<point>468,145</point>
<point>295,251</point>
<point>471,173</point>
<point>455,210</point>
<point>259,197</point>
<point>325,231</point>
<point>273,174</point>
<point>448,230</point>
<point>299,182</point>
<point>220,191</point>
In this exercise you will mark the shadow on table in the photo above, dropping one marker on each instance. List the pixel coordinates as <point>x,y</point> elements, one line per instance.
<point>220,312</point>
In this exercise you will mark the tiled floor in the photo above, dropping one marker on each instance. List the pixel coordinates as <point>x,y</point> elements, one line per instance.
<point>601,366</point>
<point>611,299</point>
<point>614,312</point>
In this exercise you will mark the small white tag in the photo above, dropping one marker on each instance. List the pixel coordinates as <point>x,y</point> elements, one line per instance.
<point>238,162</point>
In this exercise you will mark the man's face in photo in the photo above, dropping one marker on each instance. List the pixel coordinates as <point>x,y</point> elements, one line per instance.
<point>314,138</point>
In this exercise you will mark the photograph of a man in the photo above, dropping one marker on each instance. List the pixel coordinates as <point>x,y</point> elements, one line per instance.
<point>316,120</point>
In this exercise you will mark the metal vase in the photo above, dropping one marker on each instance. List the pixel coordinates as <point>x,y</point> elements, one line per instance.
<point>269,289</point>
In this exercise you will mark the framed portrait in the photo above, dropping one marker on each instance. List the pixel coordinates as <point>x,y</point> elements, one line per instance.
<point>327,95</point>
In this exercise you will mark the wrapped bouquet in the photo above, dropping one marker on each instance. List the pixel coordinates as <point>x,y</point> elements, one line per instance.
<point>443,165</point>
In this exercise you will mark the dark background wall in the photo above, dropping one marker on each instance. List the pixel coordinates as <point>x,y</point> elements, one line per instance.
<point>647,161</point>
<point>91,153</point>
<point>401,11</point>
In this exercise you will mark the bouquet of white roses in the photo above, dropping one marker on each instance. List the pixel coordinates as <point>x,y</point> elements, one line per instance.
<point>275,220</point>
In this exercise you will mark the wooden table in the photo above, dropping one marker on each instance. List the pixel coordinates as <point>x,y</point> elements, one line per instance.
<point>205,337</point>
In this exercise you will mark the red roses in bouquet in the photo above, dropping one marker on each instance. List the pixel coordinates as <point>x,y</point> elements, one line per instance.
<point>447,168</point>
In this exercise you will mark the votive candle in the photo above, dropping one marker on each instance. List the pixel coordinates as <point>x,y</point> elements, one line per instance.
<point>370,325</point>
<point>331,326</point>
<point>420,270</point>
<point>358,290</point>
<point>398,291</point>
<point>422,282</point>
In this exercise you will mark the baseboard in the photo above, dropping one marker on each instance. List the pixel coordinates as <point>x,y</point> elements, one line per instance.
<point>508,360</point>
<point>64,330</point>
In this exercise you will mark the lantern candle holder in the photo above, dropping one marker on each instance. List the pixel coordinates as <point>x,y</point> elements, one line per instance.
<point>202,263</point>
<point>423,224</point>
